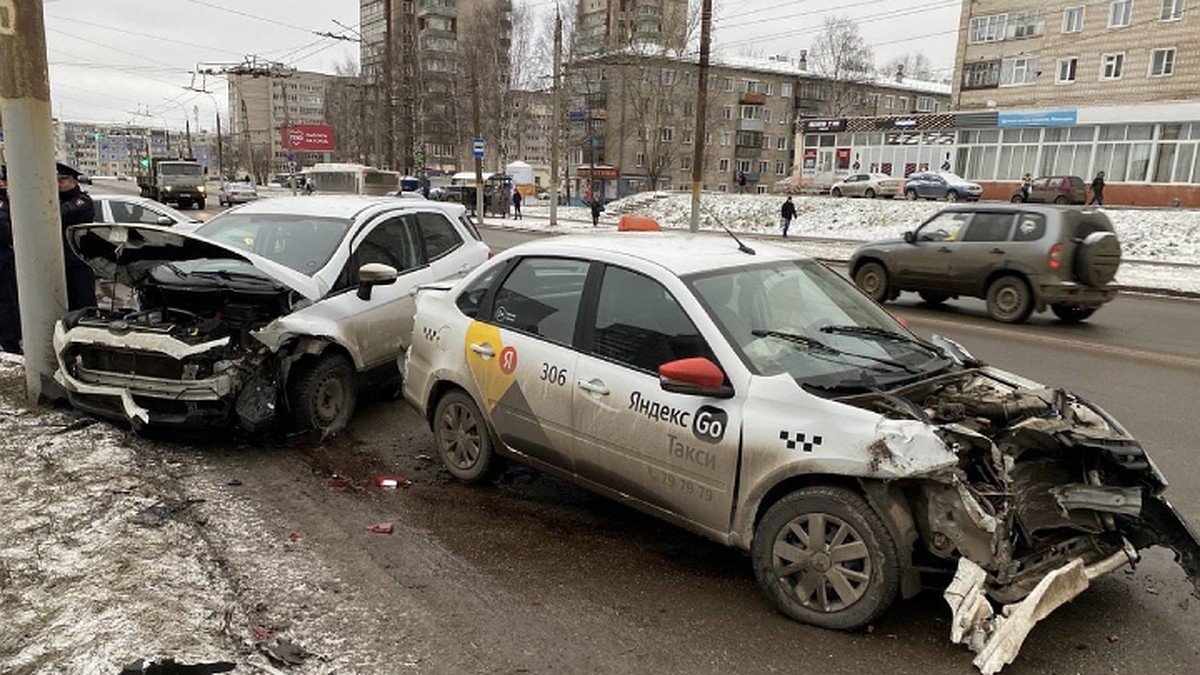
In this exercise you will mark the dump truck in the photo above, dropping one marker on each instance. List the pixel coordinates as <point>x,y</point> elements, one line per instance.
<point>174,180</point>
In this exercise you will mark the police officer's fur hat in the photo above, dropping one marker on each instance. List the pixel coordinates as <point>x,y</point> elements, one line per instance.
<point>64,170</point>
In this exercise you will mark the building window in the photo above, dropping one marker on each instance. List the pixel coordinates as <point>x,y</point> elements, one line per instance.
<point>988,28</point>
<point>667,134</point>
<point>685,162</point>
<point>781,143</point>
<point>1172,10</point>
<point>641,159</point>
<point>981,75</point>
<point>1162,62</point>
<point>903,104</point>
<point>924,104</point>
<point>723,165</point>
<point>1120,12</point>
<point>1018,71</point>
<point>766,114</point>
<point>721,187</point>
<point>729,84</point>
<point>1066,70</point>
<point>725,138</point>
<point>1073,19</point>
<point>764,166</point>
<point>1026,24</point>
<point>727,112</point>
<point>1111,66</point>
<point>780,168</point>
<point>770,88</point>
<point>871,100</point>
<point>785,90</point>
<point>668,77</point>
<point>687,136</point>
<point>889,102</point>
<point>744,165</point>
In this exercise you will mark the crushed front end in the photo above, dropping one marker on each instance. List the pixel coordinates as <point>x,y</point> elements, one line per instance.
<point>1049,492</point>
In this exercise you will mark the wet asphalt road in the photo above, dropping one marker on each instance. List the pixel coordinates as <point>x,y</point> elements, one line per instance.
<point>562,581</point>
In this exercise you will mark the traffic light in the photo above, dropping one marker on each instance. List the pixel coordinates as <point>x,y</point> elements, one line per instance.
<point>145,161</point>
<point>96,135</point>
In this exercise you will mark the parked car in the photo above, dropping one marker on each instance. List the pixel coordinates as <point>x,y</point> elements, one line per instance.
<point>869,185</point>
<point>236,193</point>
<point>84,178</point>
<point>275,311</point>
<point>1053,190</point>
<point>1021,259</point>
<point>941,185</point>
<point>762,402</point>
<point>131,209</point>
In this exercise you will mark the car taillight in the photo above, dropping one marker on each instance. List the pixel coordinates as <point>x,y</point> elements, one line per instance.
<point>490,254</point>
<point>1054,260</point>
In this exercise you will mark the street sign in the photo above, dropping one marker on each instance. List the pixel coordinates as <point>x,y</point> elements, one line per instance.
<point>477,146</point>
<point>576,115</point>
<point>291,157</point>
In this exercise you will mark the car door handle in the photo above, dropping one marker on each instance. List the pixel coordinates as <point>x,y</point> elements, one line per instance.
<point>998,251</point>
<point>595,386</point>
<point>485,350</point>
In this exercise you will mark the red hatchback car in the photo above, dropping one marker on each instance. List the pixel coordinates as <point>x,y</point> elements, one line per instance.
<point>1053,190</point>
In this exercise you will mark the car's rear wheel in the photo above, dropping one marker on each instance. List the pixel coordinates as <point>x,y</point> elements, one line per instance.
<point>1009,300</point>
<point>872,279</point>
<point>835,192</point>
<point>933,298</point>
<point>1072,313</point>
<point>1060,199</point>
<point>869,194</point>
<point>910,195</point>
<point>322,395</point>
<point>1017,199</point>
<point>462,438</point>
<point>823,556</point>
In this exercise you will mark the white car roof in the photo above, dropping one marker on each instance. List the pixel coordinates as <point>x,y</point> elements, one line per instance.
<point>338,206</point>
<point>677,252</point>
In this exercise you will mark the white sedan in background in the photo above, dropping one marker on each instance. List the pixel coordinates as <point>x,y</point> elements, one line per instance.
<point>238,192</point>
<point>869,185</point>
<point>130,209</point>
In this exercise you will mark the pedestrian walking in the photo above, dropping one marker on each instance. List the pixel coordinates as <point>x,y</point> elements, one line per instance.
<point>786,214</point>
<point>1026,186</point>
<point>516,205</point>
<point>741,181</point>
<point>76,208</point>
<point>10,313</point>
<point>1098,189</point>
<point>596,209</point>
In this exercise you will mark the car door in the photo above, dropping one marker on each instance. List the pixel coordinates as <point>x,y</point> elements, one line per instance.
<point>1042,190</point>
<point>854,185</point>
<point>675,452</point>
<point>925,263</point>
<point>981,250</point>
<point>380,327</point>
<point>441,239</point>
<point>522,359</point>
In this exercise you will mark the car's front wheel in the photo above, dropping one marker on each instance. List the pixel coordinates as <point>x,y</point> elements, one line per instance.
<point>869,194</point>
<point>952,195</point>
<point>1009,300</point>
<point>322,395</point>
<point>462,438</point>
<point>872,279</point>
<point>1071,313</point>
<point>911,195</point>
<point>1060,199</point>
<point>824,557</point>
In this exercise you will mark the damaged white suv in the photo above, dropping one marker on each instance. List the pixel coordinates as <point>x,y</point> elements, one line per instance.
<point>280,308</point>
<point>761,400</point>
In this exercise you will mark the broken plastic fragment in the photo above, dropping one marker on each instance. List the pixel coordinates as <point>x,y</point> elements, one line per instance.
<point>392,482</point>
<point>382,528</point>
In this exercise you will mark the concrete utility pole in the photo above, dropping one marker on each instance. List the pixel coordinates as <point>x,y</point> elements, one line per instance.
<point>701,112</point>
<point>557,116</point>
<point>37,233</point>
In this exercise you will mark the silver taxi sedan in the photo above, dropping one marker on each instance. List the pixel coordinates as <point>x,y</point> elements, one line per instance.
<point>761,400</point>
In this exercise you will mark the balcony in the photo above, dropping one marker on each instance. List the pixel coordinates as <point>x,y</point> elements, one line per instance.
<point>750,125</point>
<point>748,98</point>
<point>436,8</point>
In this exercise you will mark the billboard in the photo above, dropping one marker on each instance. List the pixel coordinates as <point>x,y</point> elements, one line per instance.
<point>309,137</point>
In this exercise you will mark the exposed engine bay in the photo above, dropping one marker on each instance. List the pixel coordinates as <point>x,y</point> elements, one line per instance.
<point>1048,492</point>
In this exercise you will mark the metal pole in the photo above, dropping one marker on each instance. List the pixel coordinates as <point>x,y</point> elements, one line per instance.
<point>287,137</point>
<point>220,148</point>
<point>478,160</point>
<point>557,113</point>
<point>701,112</point>
<point>37,233</point>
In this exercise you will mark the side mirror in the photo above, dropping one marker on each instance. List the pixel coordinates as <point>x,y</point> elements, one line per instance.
<point>910,237</point>
<point>695,376</point>
<point>372,275</point>
<point>164,220</point>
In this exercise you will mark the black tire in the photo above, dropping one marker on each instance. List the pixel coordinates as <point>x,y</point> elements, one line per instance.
<point>1009,300</point>
<point>872,279</point>
<point>462,438</point>
<point>835,193</point>
<point>952,195</point>
<point>805,580</point>
<point>1071,313</point>
<point>869,193</point>
<point>933,298</point>
<point>1060,200</point>
<point>322,395</point>
<point>1017,199</point>
<point>910,195</point>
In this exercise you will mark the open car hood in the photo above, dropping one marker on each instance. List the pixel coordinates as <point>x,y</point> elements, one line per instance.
<point>126,253</point>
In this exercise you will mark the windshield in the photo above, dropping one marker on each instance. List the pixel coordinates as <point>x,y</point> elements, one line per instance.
<point>800,318</point>
<point>168,169</point>
<point>302,243</point>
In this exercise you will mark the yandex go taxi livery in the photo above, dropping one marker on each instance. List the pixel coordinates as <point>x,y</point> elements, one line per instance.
<point>761,400</point>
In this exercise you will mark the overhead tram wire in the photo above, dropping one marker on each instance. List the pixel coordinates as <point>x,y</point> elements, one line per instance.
<point>248,15</point>
<point>818,12</point>
<point>870,18</point>
<point>150,36</point>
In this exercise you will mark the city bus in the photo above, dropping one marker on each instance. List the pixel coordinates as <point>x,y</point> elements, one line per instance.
<point>352,179</point>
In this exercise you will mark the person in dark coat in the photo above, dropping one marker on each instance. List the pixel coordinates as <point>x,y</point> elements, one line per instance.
<point>1098,189</point>
<point>596,209</point>
<point>76,208</point>
<point>517,205</point>
<point>10,313</point>
<point>786,214</point>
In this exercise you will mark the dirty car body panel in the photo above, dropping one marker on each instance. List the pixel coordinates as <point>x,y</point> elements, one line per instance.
<point>217,319</point>
<point>846,454</point>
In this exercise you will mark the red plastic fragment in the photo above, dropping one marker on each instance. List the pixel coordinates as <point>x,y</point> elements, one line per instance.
<point>392,482</point>
<point>294,535</point>
<point>262,633</point>
<point>339,484</point>
<point>382,528</point>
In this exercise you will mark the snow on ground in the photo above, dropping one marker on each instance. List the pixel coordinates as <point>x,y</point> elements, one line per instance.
<point>1161,246</point>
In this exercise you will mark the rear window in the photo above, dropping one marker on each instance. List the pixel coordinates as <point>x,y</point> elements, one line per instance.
<point>1030,227</point>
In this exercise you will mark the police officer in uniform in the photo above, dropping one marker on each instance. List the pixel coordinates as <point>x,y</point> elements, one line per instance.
<point>10,315</point>
<point>77,209</point>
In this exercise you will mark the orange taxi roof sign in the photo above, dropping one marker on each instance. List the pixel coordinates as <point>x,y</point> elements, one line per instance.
<point>632,223</point>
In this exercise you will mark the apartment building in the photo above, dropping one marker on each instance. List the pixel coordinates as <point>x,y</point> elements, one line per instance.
<point>1079,87</point>
<point>609,25</point>
<point>261,107</point>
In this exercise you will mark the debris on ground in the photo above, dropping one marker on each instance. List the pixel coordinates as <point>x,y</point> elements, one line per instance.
<point>392,482</point>
<point>382,528</point>
<point>284,652</point>
<point>172,667</point>
<point>163,510</point>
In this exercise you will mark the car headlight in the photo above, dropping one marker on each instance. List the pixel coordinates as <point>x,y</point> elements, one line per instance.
<point>168,188</point>
<point>202,188</point>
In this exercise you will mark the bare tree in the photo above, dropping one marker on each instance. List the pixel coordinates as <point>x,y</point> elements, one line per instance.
<point>347,110</point>
<point>910,66</point>
<point>842,55</point>
<point>486,69</point>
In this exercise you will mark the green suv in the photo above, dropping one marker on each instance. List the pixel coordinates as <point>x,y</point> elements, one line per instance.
<point>1020,258</point>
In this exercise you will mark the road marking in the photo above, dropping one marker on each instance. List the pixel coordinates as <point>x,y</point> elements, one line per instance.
<point>1160,358</point>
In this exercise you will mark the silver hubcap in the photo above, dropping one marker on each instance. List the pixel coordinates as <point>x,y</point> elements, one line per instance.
<point>822,561</point>
<point>871,282</point>
<point>1008,300</point>
<point>458,436</point>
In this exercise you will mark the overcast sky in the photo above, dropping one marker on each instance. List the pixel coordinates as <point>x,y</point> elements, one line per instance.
<point>129,60</point>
